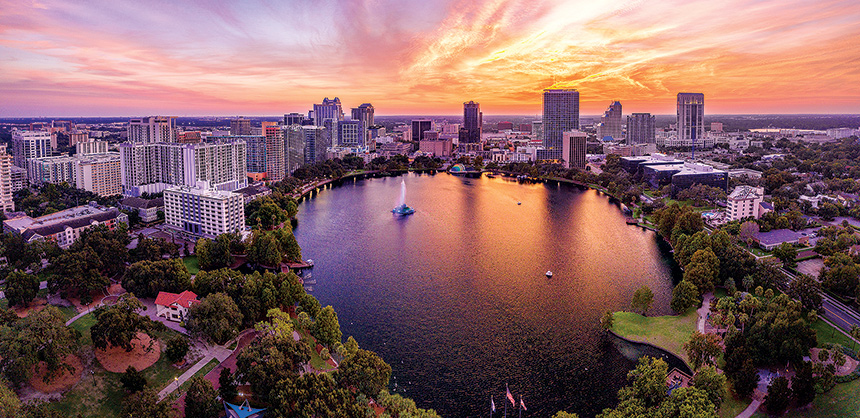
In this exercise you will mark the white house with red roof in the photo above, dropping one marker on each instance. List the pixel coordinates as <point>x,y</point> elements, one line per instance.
<point>174,307</point>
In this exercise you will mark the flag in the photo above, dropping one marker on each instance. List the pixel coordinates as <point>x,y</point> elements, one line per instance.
<point>523,405</point>
<point>510,397</point>
<point>492,404</point>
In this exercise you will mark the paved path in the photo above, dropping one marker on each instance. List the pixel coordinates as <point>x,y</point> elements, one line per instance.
<point>747,413</point>
<point>704,310</point>
<point>216,352</point>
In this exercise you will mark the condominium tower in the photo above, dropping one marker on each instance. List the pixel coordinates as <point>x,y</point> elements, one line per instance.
<point>560,114</point>
<point>364,115</point>
<point>641,129</point>
<point>29,144</point>
<point>691,117</point>
<point>574,149</point>
<point>203,211</point>
<point>152,129</point>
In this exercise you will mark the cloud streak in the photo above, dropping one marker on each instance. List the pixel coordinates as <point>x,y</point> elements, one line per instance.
<point>269,57</point>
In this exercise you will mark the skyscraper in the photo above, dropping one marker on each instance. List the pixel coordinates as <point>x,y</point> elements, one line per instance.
<point>364,115</point>
<point>574,149</point>
<point>328,110</point>
<point>610,122</point>
<point>641,129</point>
<point>294,137</point>
<point>29,144</point>
<point>293,118</point>
<point>691,117</point>
<point>419,127</point>
<point>314,144</point>
<point>6,202</point>
<point>473,121</point>
<point>350,134</point>
<point>275,168</point>
<point>560,114</point>
<point>240,126</point>
<point>152,129</point>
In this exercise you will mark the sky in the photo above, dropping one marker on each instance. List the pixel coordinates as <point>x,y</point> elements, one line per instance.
<point>257,57</point>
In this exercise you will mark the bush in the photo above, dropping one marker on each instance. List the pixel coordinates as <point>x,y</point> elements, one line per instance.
<point>132,380</point>
<point>325,354</point>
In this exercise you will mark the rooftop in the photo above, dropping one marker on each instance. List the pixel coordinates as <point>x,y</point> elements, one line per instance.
<point>746,192</point>
<point>777,236</point>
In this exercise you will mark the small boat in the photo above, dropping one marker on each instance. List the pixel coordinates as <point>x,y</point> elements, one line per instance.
<point>310,262</point>
<point>403,210</point>
<point>519,203</point>
<point>548,273</point>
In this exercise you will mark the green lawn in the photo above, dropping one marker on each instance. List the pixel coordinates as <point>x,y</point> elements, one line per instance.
<point>829,334</point>
<point>67,311</point>
<point>841,401</point>
<point>316,361</point>
<point>667,332</point>
<point>732,406</point>
<point>191,264</point>
<point>202,372</point>
<point>100,394</point>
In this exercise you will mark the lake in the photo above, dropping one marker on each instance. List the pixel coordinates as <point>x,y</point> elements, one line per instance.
<point>455,296</point>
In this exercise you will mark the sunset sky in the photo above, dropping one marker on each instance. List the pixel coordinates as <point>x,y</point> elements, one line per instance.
<point>219,57</point>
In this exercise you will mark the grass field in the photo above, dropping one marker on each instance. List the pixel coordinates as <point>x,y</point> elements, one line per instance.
<point>99,393</point>
<point>829,334</point>
<point>202,372</point>
<point>667,332</point>
<point>841,401</point>
<point>191,264</point>
<point>732,406</point>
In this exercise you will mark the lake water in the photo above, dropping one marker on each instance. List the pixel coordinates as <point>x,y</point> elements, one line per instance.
<point>456,299</point>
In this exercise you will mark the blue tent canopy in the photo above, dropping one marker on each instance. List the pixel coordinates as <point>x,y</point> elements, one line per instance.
<point>242,411</point>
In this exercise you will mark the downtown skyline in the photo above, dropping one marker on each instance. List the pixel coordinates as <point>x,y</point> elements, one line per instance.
<point>414,57</point>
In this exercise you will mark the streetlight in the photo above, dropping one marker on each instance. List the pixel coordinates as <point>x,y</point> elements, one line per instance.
<point>176,379</point>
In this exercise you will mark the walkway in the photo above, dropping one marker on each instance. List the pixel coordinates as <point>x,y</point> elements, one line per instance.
<point>747,413</point>
<point>216,352</point>
<point>704,311</point>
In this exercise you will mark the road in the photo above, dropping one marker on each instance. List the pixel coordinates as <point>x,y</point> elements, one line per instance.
<point>836,312</point>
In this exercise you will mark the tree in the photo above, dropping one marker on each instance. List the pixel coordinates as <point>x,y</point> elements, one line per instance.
<point>807,290</point>
<point>10,405</point>
<point>289,245</point>
<point>786,253</point>
<point>314,395</point>
<point>778,396</point>
<point>748,282</point>
<point>265,250</point>
<point>855,334</point>
<point>712,382</point>
<point>684,296</point>
<point>226,384</point>
<point>177,348</point>
<point>214,254</point>
<point>77,273</point>
<point>326,327</point>
<point>268,360</point>
<point>746,379</point>
<point>310,305</point>
<point>364,371</point>
<point>687,402</point>
<point>145,404</point>
<point>642,299</point>
<point>803,384</point>
<point>562,414</point>
<point>41,336</point>
<point>118,325</point>
<point>605,321</point>
<point>702,270</point>
<point>132,380</point>
<point>749,229</point>
<point>647,382</point>
<point>215,318</point>
<point>21,288</point>
<point>703,349</point>
<point>200,400</point>
<point>153,249</point>
<point>147,278</point>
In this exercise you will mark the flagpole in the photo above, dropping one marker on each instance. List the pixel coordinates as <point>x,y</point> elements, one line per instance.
<point>506,403</point>
<point>521,406</point>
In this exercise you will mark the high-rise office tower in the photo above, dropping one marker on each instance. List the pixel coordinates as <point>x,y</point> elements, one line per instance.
<point>419,127</point>
<point>364,115</point>
<point>240,126</point>
<point>641,129</point>
<point>152,129</point>
<point>574,149</point>
<point>293,118</point>
<point>328,110</point>
<point>275,168</point>
<point>560,114</point>
<point>691,117</point>
<point>610,122</point>
<point>29,144</point>
<point>350,134</point>
<point>473,122</point>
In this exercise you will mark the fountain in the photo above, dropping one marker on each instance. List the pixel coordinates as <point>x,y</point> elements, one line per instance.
<point>402,209</point>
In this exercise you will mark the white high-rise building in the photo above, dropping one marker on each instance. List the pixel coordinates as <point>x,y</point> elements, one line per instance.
<point>691,118</point>
<point>6,202</point>
<point>99,173</point>
<point>350,134</point>
<point>560,114</point>
<point>156,166</point>
<point>314,143</point>
<point>641,129</point>
<point>203,211</point>
<point>328,110</point>
<point>574,149</point>
<point>29,144</point>
<point>53,170</point>
<point>91,147</point>
<point>152,129</point>
<point>746,202</point>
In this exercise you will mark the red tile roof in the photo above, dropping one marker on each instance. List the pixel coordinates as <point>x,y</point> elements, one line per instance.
<point>185,298</point>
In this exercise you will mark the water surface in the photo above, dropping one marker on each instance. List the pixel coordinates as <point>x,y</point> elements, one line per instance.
<point>456,299</point>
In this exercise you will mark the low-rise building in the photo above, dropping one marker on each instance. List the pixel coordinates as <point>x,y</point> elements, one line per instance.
<point>692,174</point>
<point>147,209</point>
<point>746,202</point>
<point>202,211</point>
<point>772,239</point>
<point>253,192</point>
<point>174,307</point>
<point>65,226</point>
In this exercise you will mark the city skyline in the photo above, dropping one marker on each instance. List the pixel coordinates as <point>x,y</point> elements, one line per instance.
<point>267,58</point>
